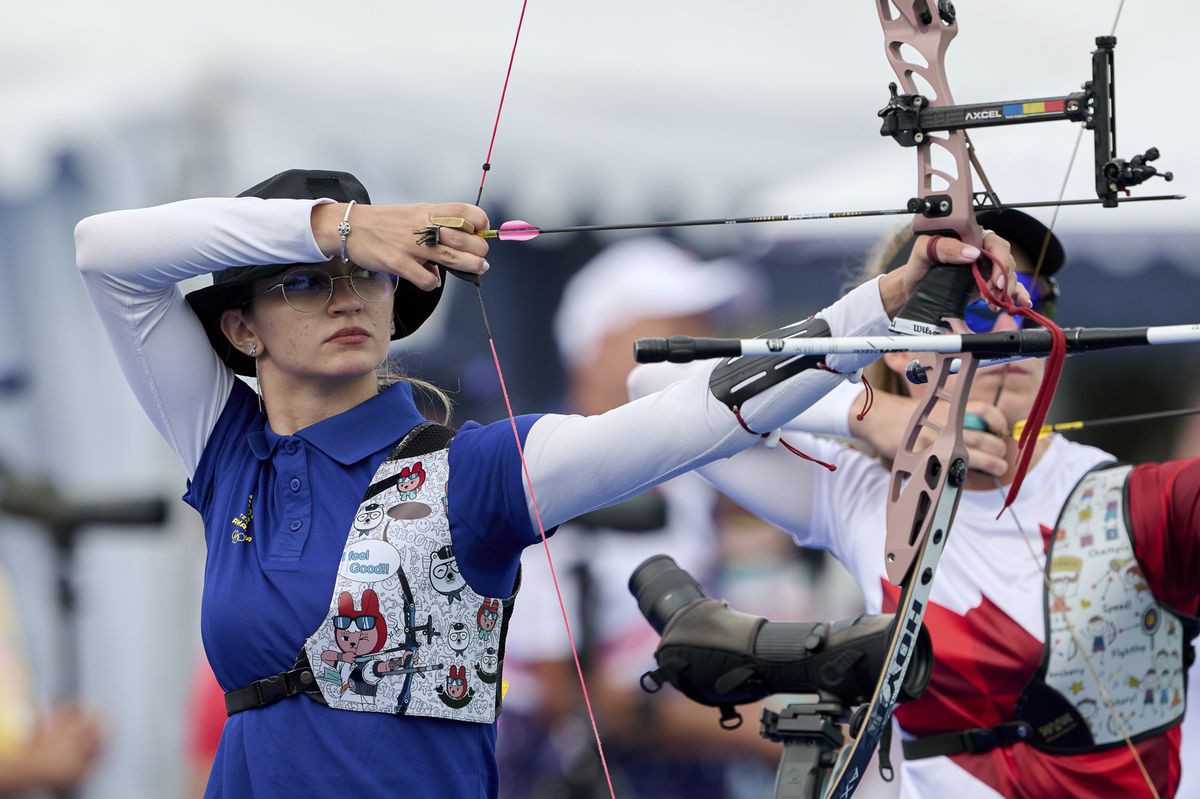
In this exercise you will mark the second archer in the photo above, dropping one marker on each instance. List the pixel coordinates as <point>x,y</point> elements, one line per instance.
<point>1062,629</point>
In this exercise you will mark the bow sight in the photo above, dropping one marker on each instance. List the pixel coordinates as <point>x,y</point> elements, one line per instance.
<point>908,118</point>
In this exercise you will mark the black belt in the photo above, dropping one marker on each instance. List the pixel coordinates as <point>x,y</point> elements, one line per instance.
<point>270,690</point>
<point>973,741</point>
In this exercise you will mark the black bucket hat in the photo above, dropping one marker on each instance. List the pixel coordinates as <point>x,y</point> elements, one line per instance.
<point>231,287</point>
<point>1020,229</point>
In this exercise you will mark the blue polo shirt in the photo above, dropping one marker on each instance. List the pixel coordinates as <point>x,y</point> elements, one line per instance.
<point>277,511</point>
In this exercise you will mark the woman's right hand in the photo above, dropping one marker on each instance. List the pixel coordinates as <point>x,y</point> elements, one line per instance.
<point>385,238</point>
<point>883,429</point>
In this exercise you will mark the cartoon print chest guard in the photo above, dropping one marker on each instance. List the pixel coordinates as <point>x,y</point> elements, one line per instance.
<point>1140,649</point>
<point>404,633</point>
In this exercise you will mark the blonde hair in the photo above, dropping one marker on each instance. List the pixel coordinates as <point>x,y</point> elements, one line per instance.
<point>388,374</point>
<point>881,377</point>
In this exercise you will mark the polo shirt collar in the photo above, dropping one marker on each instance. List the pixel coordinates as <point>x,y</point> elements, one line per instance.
<point>354,434</point>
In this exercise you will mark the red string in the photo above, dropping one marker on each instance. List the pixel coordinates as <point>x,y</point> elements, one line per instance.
<point>1045,394</point>
<point>737,412</point>
<point>487,161</point>
<point>553,572</point>
<point>487,165</point>
<point>868,399</point>
<point>868,391</point>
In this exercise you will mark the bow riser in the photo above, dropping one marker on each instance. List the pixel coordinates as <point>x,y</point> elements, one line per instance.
<point>926,480</point>
<point>922,473</point>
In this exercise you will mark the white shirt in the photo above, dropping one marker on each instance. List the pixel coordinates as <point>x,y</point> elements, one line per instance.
<point>985,557</point>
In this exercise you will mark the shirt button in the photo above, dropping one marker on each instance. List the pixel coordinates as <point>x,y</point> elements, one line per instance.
<point>296,525</point>
<point>289,447</point>
<point>295,484</point>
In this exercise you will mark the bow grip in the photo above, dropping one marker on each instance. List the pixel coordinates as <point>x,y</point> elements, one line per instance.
<point>942,294</point>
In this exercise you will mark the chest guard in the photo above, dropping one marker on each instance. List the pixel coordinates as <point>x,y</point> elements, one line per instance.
<point>1140,649</point>
<point>405,634</point>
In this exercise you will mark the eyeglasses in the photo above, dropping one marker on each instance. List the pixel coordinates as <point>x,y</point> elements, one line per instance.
<point>309,290</point>
<point>982,319</point>
<point>445,571</point>
<point>363,623</point>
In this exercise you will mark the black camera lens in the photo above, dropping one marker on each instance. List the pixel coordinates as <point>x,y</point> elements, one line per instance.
<point>662,589</point>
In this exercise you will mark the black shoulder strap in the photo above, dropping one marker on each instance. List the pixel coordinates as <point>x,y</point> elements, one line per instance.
<point>421,440</point>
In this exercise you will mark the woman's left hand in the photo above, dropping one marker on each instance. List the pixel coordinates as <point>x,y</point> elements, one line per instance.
<point>898,286</point>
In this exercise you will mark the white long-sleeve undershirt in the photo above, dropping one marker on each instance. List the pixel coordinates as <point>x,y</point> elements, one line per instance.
<point>132,261</point>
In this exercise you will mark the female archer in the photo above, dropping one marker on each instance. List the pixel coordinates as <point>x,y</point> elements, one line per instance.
<point>310,284</point>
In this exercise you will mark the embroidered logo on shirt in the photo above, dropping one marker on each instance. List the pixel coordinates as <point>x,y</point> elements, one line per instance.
<point>242,522</point>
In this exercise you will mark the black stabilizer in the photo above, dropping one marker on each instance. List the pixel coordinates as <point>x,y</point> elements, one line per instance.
<point>941,294</point>
<point>684,349</point>
<point>737,379</point>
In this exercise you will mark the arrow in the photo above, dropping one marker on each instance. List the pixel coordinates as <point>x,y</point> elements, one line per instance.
<point>1084,425</point>
<point>520,230</point>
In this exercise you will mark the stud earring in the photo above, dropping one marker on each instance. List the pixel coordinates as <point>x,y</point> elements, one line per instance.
<point>251,349</point>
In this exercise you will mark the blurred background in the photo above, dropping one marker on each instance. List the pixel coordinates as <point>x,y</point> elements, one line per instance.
<point>623,111</point>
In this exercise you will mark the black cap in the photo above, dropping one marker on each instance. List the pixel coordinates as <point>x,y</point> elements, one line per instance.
<point>1021,230</point>
<point>231,286</point>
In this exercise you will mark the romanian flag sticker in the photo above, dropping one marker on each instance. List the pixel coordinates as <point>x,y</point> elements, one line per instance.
<point>1030,109</point>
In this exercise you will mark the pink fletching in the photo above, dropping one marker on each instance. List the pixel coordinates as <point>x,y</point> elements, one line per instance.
<point>518,230</point>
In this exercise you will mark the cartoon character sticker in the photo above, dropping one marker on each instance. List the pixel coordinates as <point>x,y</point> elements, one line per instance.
<point>456,693</point>
<point>1088,709</point>
<point>409,481</point>
<point>360,633</point>
<point>487,668</point>
<point>486,617</point>
<point>1112,503</point>
<point>368,519</point>
<point>1150,682</point>
<point>1064,577</point>
<point>458,637</point>
<point>444,574</point>
<point>1115,576</point>
<point>1135,579</point>
<point>1102,634</point>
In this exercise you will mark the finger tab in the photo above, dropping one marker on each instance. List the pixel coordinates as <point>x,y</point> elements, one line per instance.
<point>453,222</point>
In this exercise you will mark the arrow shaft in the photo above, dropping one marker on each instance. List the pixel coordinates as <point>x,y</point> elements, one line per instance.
<point>804,217</point>
<point>1086,424</point>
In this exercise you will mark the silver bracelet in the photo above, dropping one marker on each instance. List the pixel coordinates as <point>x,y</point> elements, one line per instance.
<point>344,230</point>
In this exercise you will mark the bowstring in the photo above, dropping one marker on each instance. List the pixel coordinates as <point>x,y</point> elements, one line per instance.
<point>487,166</point>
